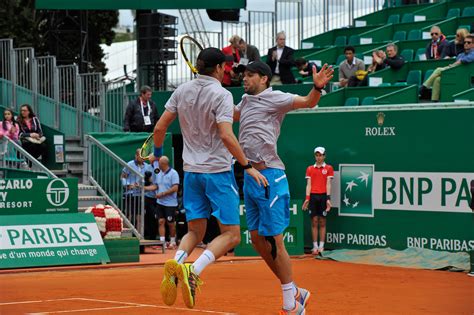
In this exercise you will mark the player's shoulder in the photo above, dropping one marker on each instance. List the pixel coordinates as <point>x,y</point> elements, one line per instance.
<point>329,167</point>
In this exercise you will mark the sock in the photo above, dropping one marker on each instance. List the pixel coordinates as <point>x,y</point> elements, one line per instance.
<point>206,258</point>
<point>315,244</point>
<point>162,238</point>
<point>321,244</point>
<point>288,296</point>
<point>180,256</point>
<point>173,240</point>
<point>295,289</point>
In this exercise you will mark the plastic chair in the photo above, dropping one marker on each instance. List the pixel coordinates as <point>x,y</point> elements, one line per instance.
<point>408,17</point>
<point>354,40</point>
<point>340,41</point>
<point>414,77</point>
<point>360,56</point>
<point>369,100</point>
<point>468,27</point>
<point>419,51</point>
<point>352,101</point>
<point>468,11</point>
<point>414,35</point>
<point>384,84</point>
<point>454,12</point>
<point>399,35</point>
<point>340,59</point>
<point>428,73</point>
<point>393,19</point>
<point>407,54</point>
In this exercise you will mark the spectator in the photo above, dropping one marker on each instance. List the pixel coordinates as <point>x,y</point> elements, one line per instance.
<point>280,60</point>
<point>457,45</point>
<point>231,78</point>
<point>318,197</point>
<point>361,77</point>
<point>391,58</point>
<point>141,114</point>
<point>305,68</point>
<point>31,134</point>
<point>132,188</point>
<point>167,182</point>
<point>9,127</point>
<point>348,67</point>
<point>248,52</point>
<point>434,81</point>
<point>438,48</point>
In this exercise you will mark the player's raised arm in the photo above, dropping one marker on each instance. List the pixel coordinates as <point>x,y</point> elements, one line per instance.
<point>320,79</point>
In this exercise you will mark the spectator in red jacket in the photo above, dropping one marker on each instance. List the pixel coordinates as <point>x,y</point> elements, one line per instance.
<point>438,48</point>
<point>230,77</point>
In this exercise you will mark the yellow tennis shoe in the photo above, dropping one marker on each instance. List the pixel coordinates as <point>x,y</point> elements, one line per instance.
<point>190,283</point>
<point>169,284</point>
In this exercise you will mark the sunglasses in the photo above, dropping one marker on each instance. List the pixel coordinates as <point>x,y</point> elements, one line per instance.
<point>434,34</point>
<point>467,43</point>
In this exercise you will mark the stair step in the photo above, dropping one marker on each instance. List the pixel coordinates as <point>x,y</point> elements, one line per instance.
<point>73,138</point>
<point>74,159</point>
<point>60,173</point>
<point>75,169</point>
<point>88,201</point>
<point>73,148</point>
<point>86,190</point>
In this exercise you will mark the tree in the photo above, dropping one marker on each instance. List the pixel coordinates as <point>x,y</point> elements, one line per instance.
<point>44,29</point>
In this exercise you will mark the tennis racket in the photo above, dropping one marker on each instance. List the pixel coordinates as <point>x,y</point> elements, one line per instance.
<point>147,148</point>
<point>190,49</point>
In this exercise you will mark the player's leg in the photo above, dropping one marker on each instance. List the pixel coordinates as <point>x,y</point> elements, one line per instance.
<point>161,221</point>
<point>171,221</point>
<point>322,233</point>
<point>315,233</point>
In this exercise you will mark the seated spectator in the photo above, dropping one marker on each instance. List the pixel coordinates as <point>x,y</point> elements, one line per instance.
<point>456,47</point>
<point>348,67</point>
<point>141,114</point>
<point>438,47</point>
<point>361,77</point>
<point>248,52</point>
<point>230,77</point>
<point>305,68</point>
<point>9,127</point>
<point>280,59</point>
<point>31,134</point>
<point>391,58</point>
<point>434,81</point>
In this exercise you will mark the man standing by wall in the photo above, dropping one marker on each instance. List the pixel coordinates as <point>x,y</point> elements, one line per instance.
<point>318,197</point>
<point>280,60</point>
<point>141,114</point>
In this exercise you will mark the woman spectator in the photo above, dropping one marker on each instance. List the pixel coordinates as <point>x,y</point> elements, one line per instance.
<point>9,127</point>
<point>31,134</point>
<point>457,45</point>
<point>230,77</point>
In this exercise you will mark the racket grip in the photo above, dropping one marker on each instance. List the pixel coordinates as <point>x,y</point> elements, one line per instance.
<point>158,151</point>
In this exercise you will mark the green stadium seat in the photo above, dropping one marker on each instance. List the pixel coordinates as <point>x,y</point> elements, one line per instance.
<point>407,54</point>
<point>385,84</point>
<point>368,100</point>
<point>360,56</point>
<point>414,77</point>
<point>468,11</point>
<point>400,84</point>
<point>419,52</point>
<point>399,35</point>
<point>454,12</point>
<point>427,74</point>
<point>468,27</point>
<point>340,59</point>
<point>414,35</point>
<point>408,17</point>
<point>340,41</point>
<point>352,101</point>
<point>354,40</point>
<point>393,19</point>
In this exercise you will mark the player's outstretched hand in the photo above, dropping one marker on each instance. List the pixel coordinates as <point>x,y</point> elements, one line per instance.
<point>305,205</point>
<point>328,205</point>
<point>257,176</point>
<point>321,78</point>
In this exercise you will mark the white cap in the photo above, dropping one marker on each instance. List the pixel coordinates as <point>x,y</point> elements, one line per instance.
<point>320,150</point>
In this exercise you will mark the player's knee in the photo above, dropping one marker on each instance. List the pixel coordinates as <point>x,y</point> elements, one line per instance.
<point>161,221</point>
<point>322,222</point>
<point>235,239</point>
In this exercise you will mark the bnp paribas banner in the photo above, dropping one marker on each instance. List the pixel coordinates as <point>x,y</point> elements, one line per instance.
<point>402,174</point>
<point>48,240</point>
<point>38,196</point>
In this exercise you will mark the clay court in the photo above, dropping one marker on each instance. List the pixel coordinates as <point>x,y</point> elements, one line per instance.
<point>240,287</point>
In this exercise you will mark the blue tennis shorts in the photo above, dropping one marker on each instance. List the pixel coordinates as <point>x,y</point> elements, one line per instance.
<point>216,194</point>
<point>267,209</point>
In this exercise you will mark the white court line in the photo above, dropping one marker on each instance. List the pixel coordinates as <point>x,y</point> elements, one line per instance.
<point>127,305</point>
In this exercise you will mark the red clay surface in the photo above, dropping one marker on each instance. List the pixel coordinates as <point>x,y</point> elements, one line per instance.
<point>243,287</point>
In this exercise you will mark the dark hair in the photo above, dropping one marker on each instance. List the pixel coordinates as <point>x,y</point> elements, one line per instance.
<point>349,48</point>
<point>202,69</point>
<point>4,122</point>
<point>145,89</point>
<point>30,115</point>
<point>300,62</point>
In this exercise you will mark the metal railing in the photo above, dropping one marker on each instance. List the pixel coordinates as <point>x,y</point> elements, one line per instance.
<point>104,172</point>
<point>13,156</point>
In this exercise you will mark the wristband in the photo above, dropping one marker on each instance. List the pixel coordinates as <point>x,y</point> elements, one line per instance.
<point>246,167</point>
<point>318,89</point>
<point>307,198</point>
<point>158,151</point>
<point>328,197</point>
